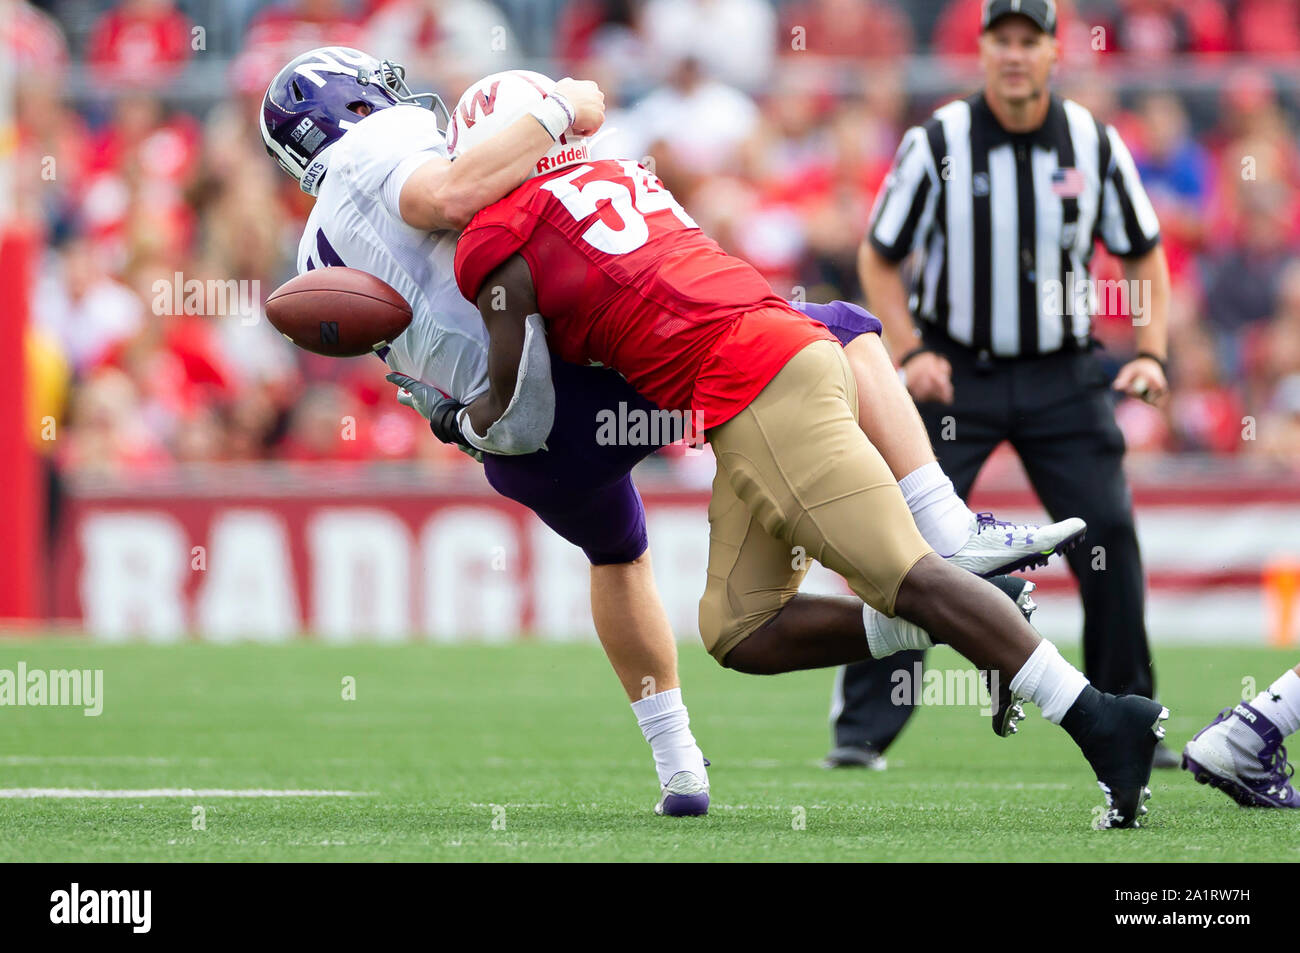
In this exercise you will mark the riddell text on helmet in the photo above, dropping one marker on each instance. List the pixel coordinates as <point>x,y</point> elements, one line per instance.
<point>578,153</point>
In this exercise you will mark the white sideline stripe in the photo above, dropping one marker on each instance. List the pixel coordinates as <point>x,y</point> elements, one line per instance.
<point>17,760</point>
<point>13,793</point>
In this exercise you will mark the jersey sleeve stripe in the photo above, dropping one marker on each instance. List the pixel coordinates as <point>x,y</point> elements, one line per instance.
<point>1140,221</point>
<point>903,201</point>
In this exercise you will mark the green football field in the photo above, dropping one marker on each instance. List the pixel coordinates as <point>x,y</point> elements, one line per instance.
<point>529,752</point>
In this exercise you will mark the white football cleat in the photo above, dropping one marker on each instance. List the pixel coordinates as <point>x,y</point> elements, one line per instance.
<point>996,548</point>
<point>1241,754</point>
<point>685,795</point>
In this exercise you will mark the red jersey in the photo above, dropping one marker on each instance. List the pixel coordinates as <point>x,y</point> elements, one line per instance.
<point>625,278</point>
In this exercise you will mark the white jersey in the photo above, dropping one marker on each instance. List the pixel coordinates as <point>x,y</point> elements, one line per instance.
<point>356,223</point>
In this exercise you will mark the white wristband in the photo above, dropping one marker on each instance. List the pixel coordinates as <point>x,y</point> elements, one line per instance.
<point>554,113</point>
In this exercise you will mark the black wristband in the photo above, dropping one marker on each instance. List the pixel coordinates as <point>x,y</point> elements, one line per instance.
<point>1164,369</point>
<point>443,422</point>
<point>914,352</point>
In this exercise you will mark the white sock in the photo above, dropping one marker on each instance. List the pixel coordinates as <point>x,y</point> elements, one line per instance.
<point>666,724</point>
<point>885,636</point>
<point>1280,704</point>
<point>941,516</point>
<point>1049,681</point>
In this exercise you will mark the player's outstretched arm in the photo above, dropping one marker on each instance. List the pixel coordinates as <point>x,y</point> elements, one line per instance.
<point>516,413</point>
<point>441,194</point>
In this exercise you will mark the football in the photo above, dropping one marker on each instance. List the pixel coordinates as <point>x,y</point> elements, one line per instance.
<point>338,312</point>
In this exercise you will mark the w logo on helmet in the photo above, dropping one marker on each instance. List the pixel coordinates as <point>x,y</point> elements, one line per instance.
<point>471,109</point>
<point>496,101</point>
<point>481,103</point>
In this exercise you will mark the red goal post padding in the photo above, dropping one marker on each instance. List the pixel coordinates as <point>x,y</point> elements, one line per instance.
<point>21,555</point>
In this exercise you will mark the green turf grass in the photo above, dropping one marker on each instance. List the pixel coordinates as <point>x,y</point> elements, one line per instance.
<point>438,735</point>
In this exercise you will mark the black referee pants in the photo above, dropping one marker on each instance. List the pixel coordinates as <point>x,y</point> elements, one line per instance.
<point>1058,413</point>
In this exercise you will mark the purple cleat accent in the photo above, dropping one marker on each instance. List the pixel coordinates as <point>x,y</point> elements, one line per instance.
<point>685,795</point>
<point>684,805</point>
<point>996,547</point>
<point>1241,754</point>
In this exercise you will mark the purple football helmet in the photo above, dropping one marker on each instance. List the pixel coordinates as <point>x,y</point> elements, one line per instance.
<point>311,103</point>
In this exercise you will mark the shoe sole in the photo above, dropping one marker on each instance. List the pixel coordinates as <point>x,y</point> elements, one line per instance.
<point>1006,721</point>
<point>874,764</point>
<point>1228,784</point>
<point>1038,560</point>
<point>1123,812</point>
<point>683,805</point>
<point>1008,715</point>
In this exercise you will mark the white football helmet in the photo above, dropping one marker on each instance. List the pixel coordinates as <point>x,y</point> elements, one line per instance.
<point>495,101</point>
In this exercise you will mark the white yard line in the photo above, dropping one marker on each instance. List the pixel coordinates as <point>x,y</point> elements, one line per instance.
<point>19,793</point>
<point>17,760</point>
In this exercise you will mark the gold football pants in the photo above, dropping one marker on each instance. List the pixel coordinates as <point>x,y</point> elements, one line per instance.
<point>797,479</point>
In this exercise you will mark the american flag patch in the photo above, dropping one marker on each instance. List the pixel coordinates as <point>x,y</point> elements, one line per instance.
<point>1068,183</point>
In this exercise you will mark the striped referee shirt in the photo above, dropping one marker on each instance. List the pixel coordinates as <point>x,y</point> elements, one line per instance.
<point>1004,224</point>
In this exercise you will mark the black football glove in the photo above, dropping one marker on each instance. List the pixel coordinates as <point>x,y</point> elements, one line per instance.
<point>439,409</point>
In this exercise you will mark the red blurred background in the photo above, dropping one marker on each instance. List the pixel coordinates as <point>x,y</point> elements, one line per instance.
<point>132,158</point>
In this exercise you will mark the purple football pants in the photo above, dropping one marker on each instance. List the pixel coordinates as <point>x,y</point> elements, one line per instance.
<point>581,484</point>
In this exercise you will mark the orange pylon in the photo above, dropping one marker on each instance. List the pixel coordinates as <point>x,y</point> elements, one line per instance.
<point>1281,580</point>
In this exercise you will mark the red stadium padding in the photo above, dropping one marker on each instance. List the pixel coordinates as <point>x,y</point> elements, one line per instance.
<point>20,499</point>
<point>342,560</point>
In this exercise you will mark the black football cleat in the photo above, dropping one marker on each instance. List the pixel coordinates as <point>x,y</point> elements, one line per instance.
<point>855,756</point>
<point>1009,708</point>
<point>1118,736</point>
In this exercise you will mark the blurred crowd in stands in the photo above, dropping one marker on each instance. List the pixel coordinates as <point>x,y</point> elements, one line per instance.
<point>774,123</point>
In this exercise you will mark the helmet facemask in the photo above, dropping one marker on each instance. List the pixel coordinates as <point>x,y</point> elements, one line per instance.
<point>393,77</point>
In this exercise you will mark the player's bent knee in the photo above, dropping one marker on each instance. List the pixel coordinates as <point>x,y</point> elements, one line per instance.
<point>630,548</point>
<point>764,651</point>
<point>741,659</point>
<point>630,563</point>
<point>722,631</point>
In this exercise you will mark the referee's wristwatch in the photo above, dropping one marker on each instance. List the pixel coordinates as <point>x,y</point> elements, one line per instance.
<point>914,352</point>
<point>1164,368</point>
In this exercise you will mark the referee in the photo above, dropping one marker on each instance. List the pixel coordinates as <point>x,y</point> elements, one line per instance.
<point>997,201</point>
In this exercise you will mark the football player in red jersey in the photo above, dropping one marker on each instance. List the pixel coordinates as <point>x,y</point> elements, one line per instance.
<point>626,279</point>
